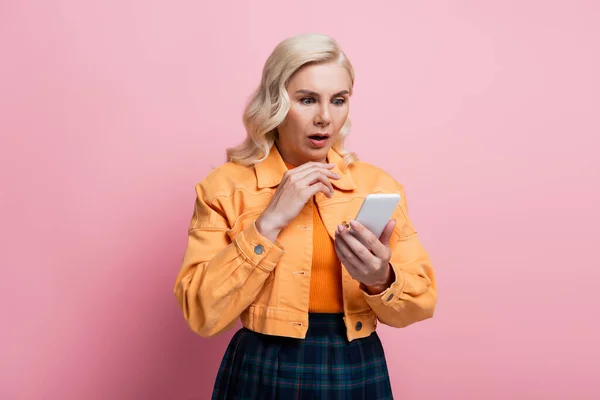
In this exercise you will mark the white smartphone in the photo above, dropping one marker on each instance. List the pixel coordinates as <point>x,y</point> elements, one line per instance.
<point>376,210</point>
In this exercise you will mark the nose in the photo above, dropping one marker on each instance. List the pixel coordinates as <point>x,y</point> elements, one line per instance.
<point>323,116</point>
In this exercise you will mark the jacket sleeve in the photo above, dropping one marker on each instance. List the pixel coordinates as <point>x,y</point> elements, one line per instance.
<point>413,294</point>
<point>221,276</point>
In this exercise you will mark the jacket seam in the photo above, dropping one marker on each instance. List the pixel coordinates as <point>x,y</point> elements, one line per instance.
<point>235,227</point>
<point>217,195</point>
<point>254,307</point>
<point>403,236</point>
<point>208,228</point>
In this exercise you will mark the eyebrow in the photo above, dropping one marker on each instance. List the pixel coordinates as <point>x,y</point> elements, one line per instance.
<point>315,94</point>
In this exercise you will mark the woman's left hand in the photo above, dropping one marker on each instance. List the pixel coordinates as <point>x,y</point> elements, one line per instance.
<point>366,257</point>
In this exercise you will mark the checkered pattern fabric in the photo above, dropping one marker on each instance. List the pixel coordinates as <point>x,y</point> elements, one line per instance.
<point>321,367</point>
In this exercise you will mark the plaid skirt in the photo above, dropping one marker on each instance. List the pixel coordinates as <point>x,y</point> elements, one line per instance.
<point>322,366</point>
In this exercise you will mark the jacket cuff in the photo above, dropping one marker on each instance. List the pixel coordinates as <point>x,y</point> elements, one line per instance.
<point>390,295</point>
<point>257,249</point>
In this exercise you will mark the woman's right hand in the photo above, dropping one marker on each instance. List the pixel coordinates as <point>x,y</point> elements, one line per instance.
<point>297,186</point>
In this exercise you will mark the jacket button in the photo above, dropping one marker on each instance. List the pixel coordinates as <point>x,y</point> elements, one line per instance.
<point>391,296</point>
<point>358,326</point>
<point>258,249</point>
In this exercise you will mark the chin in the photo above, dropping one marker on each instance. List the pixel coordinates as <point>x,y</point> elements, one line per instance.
<point>317,154</point>
<point>308,154</point>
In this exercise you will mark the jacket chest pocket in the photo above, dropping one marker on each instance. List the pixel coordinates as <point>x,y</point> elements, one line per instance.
<point>339,213</point>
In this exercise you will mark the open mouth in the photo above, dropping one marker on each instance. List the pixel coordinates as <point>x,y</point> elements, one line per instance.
<point>319,140</point>
<point>318,137</point>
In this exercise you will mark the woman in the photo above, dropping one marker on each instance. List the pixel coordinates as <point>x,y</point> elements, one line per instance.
<point>269,244</point>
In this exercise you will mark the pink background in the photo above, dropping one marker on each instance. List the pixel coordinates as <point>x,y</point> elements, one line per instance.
<point>111,111</point>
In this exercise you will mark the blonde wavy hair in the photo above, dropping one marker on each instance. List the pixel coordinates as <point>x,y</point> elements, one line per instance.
<point>270,103</point>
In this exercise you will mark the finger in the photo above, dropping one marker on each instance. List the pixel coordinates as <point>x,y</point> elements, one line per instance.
<point>355,245</point>
<point>373,243</point>
<point>300,171</point>
<point>316,188</point>
<point>310,165</point>
<point>342,250</point>
<point>386,235</point>
<point>314,177</point>
<point>303,174</point>
<point>363,234</point>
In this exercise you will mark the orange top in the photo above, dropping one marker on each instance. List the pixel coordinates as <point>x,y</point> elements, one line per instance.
<point>326,271</point>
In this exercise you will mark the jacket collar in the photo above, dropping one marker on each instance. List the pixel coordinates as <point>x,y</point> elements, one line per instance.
<point>269,172</point>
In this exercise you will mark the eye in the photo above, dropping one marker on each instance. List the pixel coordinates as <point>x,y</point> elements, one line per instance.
<point>339,102</point>
<point>307,100</point>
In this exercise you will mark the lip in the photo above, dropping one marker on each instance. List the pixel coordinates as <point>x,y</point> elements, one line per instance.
<point>319,143</point>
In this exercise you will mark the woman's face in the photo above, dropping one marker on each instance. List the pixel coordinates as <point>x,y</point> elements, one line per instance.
<point>319,104</point>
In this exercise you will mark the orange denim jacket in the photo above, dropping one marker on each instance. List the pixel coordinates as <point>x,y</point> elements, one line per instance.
<point>231,271</point>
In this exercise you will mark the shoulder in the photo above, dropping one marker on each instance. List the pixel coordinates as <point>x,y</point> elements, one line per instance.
<point>225,179</point>
<point>369,176</point>
<point>369,179</point>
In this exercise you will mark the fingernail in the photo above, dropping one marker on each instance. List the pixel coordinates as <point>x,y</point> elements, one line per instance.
<point>340,228</point>
<point>353,223</point>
